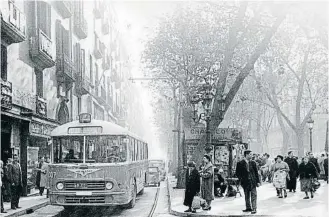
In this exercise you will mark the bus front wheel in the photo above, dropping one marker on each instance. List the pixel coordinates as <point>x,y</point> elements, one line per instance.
<point>132,203</point>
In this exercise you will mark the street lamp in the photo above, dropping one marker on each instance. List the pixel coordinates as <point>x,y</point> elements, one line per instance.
<point>310,123</point>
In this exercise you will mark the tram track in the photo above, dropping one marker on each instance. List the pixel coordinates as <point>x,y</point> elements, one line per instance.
<point>155,202</point>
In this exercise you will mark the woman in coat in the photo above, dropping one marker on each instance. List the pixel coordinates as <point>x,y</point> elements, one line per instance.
<point>43,177</point>
<point>192,186</point>
<point>280,171</point>
<point>307,172</point>
<point>207,184</point>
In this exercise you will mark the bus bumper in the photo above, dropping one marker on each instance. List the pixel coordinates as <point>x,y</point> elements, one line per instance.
<point>87,199</point>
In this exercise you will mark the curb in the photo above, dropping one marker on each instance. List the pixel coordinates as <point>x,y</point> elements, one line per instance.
<point>24,210</point>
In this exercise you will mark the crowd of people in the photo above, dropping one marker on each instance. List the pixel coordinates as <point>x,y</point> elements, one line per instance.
<point>283,171</point>
<point>11,180</point>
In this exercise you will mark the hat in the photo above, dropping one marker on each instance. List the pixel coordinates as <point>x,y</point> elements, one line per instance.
<point>289,152</point>
<point>191,164</point>
<point>279,156</point>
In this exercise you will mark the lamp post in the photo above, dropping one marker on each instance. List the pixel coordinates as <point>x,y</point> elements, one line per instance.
<point>310,124</point>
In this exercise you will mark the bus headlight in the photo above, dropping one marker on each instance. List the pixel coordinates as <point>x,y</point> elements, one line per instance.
<point>109,185</point>
<point>60,185</point>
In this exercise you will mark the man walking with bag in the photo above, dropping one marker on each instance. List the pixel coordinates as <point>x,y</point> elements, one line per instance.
<point>192,186</point>
<point>246,171</point>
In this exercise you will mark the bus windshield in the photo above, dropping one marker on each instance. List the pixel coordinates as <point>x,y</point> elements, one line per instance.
<point>99,149</point>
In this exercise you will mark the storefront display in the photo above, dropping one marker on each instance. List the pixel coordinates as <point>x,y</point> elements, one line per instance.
<point>32,163</point>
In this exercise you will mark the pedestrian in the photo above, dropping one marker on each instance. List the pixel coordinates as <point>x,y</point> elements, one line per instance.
<point>7,187</point>
<point>43,177</point>
<point>192,186</point>
<point>47,185</point>
<point>38,178</point>
<point>265,168</point>
<point>325,166</point>
<point>321,162</point>
<point>307,172</point>
<point>207,183</point>
<point>219,182</point>
<point>280,172</point>
<point>15,180</point>
<point>246,171</point>
<point>293,172</point>
<point>2,185</point>
<point>314,161</point>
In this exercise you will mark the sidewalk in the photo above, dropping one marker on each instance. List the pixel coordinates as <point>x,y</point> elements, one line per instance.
<point>268,203</point>
<point>28,204</point>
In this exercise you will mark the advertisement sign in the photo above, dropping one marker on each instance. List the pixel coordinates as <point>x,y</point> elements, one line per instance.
<point>195,133</point>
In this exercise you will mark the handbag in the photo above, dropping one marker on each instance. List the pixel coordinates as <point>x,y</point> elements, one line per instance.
<point>315,184</point>
<point>196,203</point>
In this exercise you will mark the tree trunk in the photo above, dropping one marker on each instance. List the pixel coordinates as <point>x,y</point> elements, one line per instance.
<point>300,142</point>
<point>285,134</point>
<point>258,128</point>
<point>180,170</point>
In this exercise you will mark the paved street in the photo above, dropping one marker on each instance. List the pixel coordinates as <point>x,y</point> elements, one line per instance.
<point>268,203</point>
<point>143,206</point>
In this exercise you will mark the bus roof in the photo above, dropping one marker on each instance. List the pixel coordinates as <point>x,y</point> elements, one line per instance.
<point>108,129</point>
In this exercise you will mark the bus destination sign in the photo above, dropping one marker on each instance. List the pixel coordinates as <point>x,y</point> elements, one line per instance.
<point>85,118</point>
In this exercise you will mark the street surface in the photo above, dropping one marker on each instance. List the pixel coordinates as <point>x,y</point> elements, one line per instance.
<point>142,209</point>
<point>267,202</point>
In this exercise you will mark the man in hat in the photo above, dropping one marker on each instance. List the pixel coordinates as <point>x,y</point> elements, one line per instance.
<point>246,171</point>
<point>15,180</point>
<point>293,172</point>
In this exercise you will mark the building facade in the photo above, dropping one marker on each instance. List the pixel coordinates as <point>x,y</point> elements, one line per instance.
<point>58,59</point>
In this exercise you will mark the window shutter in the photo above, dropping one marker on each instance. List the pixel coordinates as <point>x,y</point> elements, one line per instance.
<point>48,23</point>
<point>59,39</point>
<point>83,63</point>
<point>77,57</point>
<point>66,42</point>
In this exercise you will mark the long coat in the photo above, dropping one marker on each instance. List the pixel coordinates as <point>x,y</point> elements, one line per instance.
<point>15,174</point>
<point>44,175</point>
<point>293,167</point>
<point>207,184</point>
<point>248,177</point>
<point>307,171</point>
<point>192,186</point>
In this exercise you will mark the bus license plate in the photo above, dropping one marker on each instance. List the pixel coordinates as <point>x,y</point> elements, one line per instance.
<point>83,193</point>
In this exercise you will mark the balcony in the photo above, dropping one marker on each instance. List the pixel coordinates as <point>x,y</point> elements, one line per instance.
<point>80,26</point>
<point>83,85</point>
<point>105,27</point>
<point>65,69</point>
<point>106,62</point>
<point>102,97</point>
<point>64,8</point>
<point>41,106</point>
<point>98,10</point>
<point>41,50</point>
<point>99,48</point>
<point>6,94</point>
<point>13,24</point>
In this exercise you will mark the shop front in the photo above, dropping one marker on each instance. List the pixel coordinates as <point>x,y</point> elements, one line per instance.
<point>38,147</point>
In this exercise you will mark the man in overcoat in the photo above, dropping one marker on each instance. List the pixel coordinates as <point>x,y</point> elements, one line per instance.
<point>15,181</point>
<point>247,173</point>
<point>192,186</point>
<point>293,172</point>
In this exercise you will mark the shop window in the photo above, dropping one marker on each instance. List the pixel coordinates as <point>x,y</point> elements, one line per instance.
<point>3,63</point>
<point>39,82</point>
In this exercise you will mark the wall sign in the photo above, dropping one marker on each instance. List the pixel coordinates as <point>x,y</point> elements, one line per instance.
<point>40,129</point>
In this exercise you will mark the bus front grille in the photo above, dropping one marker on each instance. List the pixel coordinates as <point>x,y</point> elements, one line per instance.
<point>84,185</point>
<point>84,199</point>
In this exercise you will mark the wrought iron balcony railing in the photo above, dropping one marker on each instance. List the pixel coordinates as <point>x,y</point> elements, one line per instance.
<point>65,68</point>
<point>80,26</point>
<point>99,48</point>
<point>13,24</point>
<point>83,85</point>
<point>41,50</point>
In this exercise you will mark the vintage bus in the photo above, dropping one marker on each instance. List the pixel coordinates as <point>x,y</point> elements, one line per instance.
<point>96,163</point>
<point>161,164</point>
